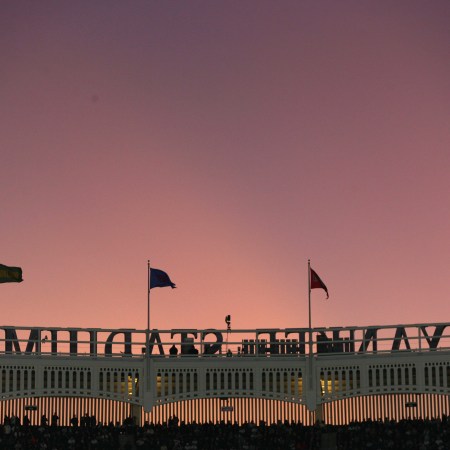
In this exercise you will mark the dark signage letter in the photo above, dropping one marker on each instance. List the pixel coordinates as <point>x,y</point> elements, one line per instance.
<point>400,335</point>
<point>12,340</point>
<point>369,336</point>
<point>127,343</point>
<point>210,349</point>
<point>187,343</point>
<point>434,341</point>
<point>154,337</point>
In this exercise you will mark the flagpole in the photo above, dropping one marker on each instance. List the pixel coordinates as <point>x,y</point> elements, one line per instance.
<point>310,324</point>
<point>148,295</point>
<point>147,370</point>
<point>310,353</point>
<point>309,293</point>
<point>147,333</point>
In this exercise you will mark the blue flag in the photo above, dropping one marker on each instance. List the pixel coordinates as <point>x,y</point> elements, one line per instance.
<point>158,278</point>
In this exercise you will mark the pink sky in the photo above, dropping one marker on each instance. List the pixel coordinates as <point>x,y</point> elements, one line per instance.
<point>227,142</point>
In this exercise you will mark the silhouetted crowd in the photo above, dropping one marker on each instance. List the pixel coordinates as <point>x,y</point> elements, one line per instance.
<point>90,435</point>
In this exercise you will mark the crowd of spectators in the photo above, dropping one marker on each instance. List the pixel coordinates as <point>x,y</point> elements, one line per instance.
<point>175,435</point>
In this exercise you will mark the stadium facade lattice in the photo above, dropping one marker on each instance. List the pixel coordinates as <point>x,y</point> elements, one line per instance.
<point>337,375</point>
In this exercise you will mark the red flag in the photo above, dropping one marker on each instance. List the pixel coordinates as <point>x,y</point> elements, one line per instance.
<point>317,283</point>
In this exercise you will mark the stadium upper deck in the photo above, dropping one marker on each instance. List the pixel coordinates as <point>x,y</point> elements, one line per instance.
<point>145,368</point>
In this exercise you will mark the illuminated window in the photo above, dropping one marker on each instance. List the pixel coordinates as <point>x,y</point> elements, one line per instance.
<point>292,384</point>
<point>166,383</point>
<point>300,383</point>
<point>158,384</point>
<point>136,383</point>
<point>322,383</point>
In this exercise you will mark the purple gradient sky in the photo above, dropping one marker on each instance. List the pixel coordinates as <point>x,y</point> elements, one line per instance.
<point>227,142</point>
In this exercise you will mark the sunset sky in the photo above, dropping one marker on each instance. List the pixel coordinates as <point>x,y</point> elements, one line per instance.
<point>227,142</point>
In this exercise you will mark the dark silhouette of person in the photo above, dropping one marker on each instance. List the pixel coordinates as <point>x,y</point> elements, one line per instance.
<point>192,350</point>
<point>85,421</point>
<point>173,350</point>
<point>55,419</point>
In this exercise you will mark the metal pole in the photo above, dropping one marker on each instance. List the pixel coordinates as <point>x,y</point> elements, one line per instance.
<point>148,295</point>
<point>311,385</point>
<point>309,310</point>
<point>147,342</point>
<point>309,292</point>
<point>147,332</point>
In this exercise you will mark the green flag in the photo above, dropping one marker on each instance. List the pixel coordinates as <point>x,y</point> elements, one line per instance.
<point>10,274</point>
